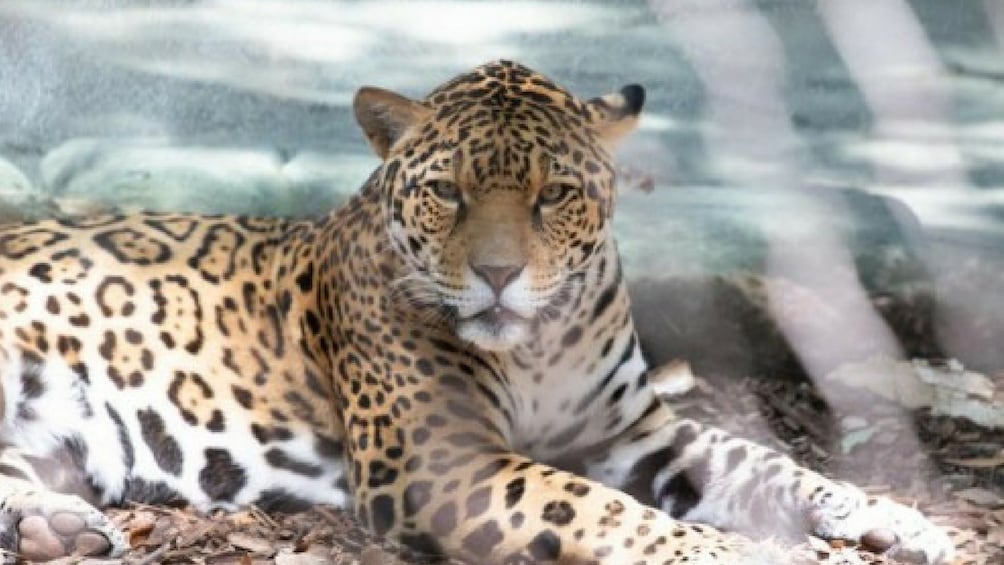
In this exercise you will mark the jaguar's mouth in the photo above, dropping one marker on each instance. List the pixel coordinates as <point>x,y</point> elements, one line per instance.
<point>496,328</point>
<point>498,315</point>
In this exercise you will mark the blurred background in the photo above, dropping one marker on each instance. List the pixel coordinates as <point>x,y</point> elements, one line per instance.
<point>816,189</point>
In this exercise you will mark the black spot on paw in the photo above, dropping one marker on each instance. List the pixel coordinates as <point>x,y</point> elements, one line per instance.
<point>478,501</point>
<point>546,546</point>
<point>483,540</point>
<point>281,500</point>
<point>221,478</point>
<point>416,496</point>
<point>445,519</point>
<point>558,512</point>
<point>279,459</point>
<point>382,514</point>
<point>151,492</point>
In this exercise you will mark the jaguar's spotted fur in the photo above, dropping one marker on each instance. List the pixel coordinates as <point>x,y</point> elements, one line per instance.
<point>441,354</point>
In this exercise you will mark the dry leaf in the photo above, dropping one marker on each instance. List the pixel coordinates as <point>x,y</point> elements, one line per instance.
<point>251,543</point>
<point>287,557</point>
<point>139,527</point>
<point>981,497</point>
<point>979,462</point>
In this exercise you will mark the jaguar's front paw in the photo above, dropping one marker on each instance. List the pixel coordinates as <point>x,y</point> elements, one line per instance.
<point>879,524</point>
<point>51,525</point>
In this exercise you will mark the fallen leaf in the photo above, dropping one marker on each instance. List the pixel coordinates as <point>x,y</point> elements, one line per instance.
<point>139,528</point>
<point>981,497</point>
<point>251,543</point>
<point>979,462</point>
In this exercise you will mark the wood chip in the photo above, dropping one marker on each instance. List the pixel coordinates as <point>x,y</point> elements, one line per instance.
<point>979,462</point>
<point>253,544</point>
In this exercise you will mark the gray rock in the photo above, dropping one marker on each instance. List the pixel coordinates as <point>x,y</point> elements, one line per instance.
<point>153,174</point>
<point>696,231</point>
<point>17,194</point>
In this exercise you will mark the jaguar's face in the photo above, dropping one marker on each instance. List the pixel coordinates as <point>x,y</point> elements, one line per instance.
<point>497,249</point>
<point>496,193</point>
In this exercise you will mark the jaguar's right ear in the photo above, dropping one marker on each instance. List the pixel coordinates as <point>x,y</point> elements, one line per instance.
<point>385,116</point>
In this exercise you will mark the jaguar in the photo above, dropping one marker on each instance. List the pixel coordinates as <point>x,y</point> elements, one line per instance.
<point>450,354</point>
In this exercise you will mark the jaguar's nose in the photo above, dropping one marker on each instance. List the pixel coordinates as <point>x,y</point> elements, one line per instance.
<point>497,276</point>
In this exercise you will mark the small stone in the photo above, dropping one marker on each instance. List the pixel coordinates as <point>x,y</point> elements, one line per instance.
<point>879,539</point>
<point>66,523</point>
<point>91,543</point>
<point>853,422</point>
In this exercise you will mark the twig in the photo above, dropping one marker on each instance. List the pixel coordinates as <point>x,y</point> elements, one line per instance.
<point>263,517</point>
<point>328,515</point>
<point>153,556</point>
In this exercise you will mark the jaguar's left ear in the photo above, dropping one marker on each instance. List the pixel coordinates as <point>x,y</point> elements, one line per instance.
<point>616,114</point>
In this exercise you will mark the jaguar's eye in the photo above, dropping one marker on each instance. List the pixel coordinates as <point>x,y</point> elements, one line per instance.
<point>553,194</point>
<point>445,190</point>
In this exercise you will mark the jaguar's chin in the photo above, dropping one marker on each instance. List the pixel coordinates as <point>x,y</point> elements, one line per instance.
<point>495,329</point>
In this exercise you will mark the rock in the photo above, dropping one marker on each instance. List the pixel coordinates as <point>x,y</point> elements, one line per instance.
<point>981,497</point>
<point>153,174</point>
<point>13,182</point>
<point>713,230</point>
<point>946,388</point>
<point>17,194</point>
<point>672,379</point>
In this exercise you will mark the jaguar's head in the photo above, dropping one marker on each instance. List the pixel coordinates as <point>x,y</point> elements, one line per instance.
<point>497,189</point>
